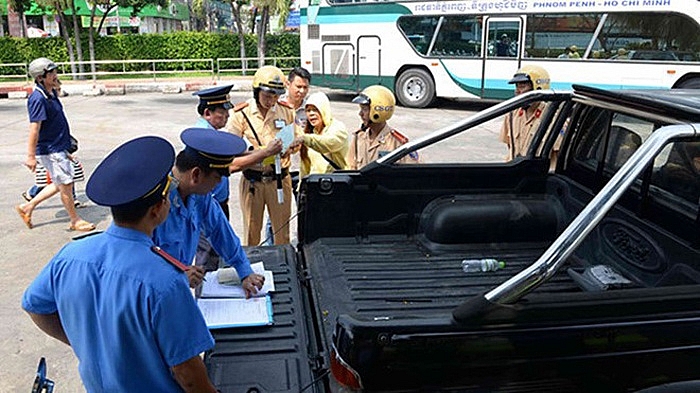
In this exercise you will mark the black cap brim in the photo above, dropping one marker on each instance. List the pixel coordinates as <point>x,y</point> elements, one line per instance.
<point>361,99</point>
<point>517,78</point>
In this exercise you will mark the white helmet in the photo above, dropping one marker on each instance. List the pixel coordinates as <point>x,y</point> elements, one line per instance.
<point>39,67</point>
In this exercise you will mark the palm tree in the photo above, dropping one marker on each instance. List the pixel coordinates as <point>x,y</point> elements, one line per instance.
<point>268,7</point>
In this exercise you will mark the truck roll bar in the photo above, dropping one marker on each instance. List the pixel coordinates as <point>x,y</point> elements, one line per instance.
<point>553,258</point>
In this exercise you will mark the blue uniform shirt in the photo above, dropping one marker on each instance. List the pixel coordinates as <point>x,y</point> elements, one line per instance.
<point>128,314</point>
<point>179,234</point>
<point>54,134</point>
<point>221,191</point>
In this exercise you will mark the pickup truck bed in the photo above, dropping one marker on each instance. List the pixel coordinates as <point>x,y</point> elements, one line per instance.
<point>399,277</point>
<point>393,297</point>
<point>375,292</point>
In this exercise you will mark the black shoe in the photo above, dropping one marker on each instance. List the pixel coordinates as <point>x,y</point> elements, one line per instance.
<point>26,196</point>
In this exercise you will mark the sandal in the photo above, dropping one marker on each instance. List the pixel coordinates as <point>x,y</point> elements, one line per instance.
<point>25,217</point>
<point>82,226</point>
<point>26,197</point>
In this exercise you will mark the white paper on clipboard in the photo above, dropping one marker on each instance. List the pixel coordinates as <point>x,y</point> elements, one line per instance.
<point>235,312</point>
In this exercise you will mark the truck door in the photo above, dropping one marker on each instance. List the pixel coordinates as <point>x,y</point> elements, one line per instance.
<point>502,54</point>
<point>369,51</point>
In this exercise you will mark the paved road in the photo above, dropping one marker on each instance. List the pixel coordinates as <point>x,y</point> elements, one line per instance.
<point>101,123</point>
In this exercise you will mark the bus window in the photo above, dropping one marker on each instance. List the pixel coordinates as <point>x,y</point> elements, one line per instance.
<point>548,35</point>
<point>647,36</point>
<point>419,30</point>
<point>459,36</point>
<point>503,39</point>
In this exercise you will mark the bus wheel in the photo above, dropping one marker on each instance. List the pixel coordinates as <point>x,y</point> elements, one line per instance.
<point>691,83</point>
<point>415,88</point>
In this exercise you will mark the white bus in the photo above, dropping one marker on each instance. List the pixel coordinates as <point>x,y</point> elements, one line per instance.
<point>471,48</point>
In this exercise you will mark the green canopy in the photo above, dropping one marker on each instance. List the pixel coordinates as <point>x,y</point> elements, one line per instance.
<point>173,11</point>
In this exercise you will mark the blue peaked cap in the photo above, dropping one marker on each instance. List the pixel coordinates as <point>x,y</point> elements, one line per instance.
<point>217,95</point>
<point>216,149</point>
<point>132,172</point>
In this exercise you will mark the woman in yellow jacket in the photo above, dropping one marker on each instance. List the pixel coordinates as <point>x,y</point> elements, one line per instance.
<point>325,143</point>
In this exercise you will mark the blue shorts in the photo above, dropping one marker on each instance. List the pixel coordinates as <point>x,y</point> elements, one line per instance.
<point>59,167</point>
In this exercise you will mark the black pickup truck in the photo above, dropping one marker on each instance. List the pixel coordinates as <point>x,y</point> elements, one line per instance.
<point>600,290</point>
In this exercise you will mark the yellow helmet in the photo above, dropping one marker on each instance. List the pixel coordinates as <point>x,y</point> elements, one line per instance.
<point>532,73</point>
<point>381,102</point>
<point>269,78</point>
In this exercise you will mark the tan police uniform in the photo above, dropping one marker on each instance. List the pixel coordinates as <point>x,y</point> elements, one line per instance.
<point>258,186</point>
<point>518,129</point>
<point>364,150</point>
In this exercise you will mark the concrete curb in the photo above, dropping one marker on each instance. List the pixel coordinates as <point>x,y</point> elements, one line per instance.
<point>95,89</point>
<point>19,94</point>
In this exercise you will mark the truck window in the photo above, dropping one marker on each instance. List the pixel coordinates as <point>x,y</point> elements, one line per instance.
<point>610,140</point>
<point>677,171</point>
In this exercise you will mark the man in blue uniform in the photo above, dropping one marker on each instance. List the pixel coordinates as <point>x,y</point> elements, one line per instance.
<point>213,110</point>
<point>125,310</point>
<point>198,169</point>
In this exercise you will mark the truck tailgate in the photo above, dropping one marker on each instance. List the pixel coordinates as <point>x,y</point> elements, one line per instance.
<point>269,358</point>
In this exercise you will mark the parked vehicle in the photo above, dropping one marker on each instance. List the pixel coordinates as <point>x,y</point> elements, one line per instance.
<point>600,288</point>
<point>454,49</point>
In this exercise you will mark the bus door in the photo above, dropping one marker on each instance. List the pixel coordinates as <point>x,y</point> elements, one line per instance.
<point>502,51</point>
<point>369,60</point>
<point>338,65</point>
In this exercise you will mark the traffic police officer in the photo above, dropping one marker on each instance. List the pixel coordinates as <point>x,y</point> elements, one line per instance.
<point>127,313</point>
<point>198,169</point>
<point>376,138</point>
<point>259,121</point>
<point>519,126</point>
<point>213,108</point>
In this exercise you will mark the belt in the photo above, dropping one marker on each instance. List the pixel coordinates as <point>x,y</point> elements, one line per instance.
<point>253,175</point>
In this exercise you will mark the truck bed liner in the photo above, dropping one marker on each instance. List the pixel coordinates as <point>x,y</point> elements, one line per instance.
<point>397,275</point>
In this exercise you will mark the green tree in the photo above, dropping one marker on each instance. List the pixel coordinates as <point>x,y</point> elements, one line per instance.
<point>60,7</point>
<point>267,7</point>
<point>20,7</point>
<point>107,6</point>
<point>236,11</point>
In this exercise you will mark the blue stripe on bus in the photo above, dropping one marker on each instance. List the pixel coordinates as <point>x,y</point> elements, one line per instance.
<point>473,85</point>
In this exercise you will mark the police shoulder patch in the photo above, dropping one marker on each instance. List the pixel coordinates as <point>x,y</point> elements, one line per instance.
<point>399,136</point>
<point>285,104</point>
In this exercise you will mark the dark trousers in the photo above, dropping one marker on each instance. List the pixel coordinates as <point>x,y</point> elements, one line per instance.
<point>206,256</point>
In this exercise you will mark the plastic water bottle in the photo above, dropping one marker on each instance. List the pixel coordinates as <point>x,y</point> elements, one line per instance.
<point>482,265</point>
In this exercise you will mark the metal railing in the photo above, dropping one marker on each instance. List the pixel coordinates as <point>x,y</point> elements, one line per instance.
<point>154,68</point>
<point>147,67</point>
<point>22,71</point>
<point>248,65</point>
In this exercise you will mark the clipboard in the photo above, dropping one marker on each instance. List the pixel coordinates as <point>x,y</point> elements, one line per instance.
<point>220,313</point>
